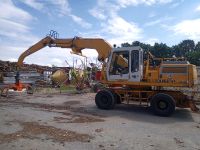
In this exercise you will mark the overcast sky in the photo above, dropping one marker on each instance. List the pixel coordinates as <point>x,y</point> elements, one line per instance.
<point>24,22</point>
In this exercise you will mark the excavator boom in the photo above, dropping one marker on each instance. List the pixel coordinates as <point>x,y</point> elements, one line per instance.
<point>77,44</point>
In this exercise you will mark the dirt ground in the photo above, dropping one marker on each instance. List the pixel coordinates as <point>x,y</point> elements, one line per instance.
<point>64,121</point>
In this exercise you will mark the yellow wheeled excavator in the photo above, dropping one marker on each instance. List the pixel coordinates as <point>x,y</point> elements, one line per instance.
<point>129,78</point>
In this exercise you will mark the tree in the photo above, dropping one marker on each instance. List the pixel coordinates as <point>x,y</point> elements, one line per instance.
<point>186,46</point>
<point>186,49</point>
<point>197,47</point>
<point>136,43</point>
<point>176,50</point>
<point>146,47</point>
<point>161,50</point>
<point>125,45</point>
<point>194,57</point>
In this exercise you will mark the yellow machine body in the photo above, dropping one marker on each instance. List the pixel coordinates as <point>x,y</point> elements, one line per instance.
<point>126,73</point>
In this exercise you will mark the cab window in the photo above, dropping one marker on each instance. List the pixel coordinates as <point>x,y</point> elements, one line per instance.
<point>119,63</point>
<point>134,61</point>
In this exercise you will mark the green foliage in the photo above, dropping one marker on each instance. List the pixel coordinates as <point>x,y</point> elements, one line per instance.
<point>65,88</point>
<point>194,57</point>
<point>187,49</point>
<point>161,50</point>
<point>197,47</point>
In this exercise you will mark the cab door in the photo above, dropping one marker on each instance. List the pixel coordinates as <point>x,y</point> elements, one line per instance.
<point>118,65</point>
<point>136,63</point>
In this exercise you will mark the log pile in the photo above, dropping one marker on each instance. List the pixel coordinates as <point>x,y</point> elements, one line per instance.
<point>29,73</point>
<point>7,66</point>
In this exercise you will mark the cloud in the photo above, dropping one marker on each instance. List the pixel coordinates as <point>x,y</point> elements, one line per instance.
<point>49,56</point>
<point>8,25</point>
<point>56,61</point>
<point>102,9</point>
<point>176,4</point>
<point>9,52</point>
<point>152,23</point>
<point>158,21</point>
<point>121,30</point>
<point>152,14</point>
<point>80,21</point>
<point>98,13</point>
<point>90,52</point>
<point>113,27</point>
<point>14,24</point>
<point>197,8</point>
<point>188,29</point>
<point>59,8</point>
<point>52,7</point>
<point>9,11</point>
<point>54,56</point>
<point>34,4</point>
<point>16,32</point>
<point>12,59</point>
<point>152,41</point>
<point>116,29</point>
<point>126,3</point>
<point>63,6</point>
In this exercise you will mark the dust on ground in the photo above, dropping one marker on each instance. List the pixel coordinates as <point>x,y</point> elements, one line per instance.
<point>72,121</point>
<point>32,129</point>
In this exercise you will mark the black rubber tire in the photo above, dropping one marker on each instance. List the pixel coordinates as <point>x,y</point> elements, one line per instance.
<point>117,98</point>
<point>104,99</point>
<point>168,104</point>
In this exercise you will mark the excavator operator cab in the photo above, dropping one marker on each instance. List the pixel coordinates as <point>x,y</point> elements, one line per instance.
<point>125,63</point>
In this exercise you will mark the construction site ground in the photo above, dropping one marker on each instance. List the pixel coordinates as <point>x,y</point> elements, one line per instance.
<point>72,121</point>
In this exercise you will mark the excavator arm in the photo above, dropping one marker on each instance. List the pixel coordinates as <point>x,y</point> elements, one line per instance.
<point>77,44</point>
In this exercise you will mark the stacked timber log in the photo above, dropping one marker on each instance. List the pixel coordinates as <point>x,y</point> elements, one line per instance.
<point>25,77</point>
<point>29,73</point>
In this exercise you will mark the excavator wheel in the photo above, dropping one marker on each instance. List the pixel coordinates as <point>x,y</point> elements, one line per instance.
<point>163,104</point>
<point>105,99</point>
<point>117,98</point>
